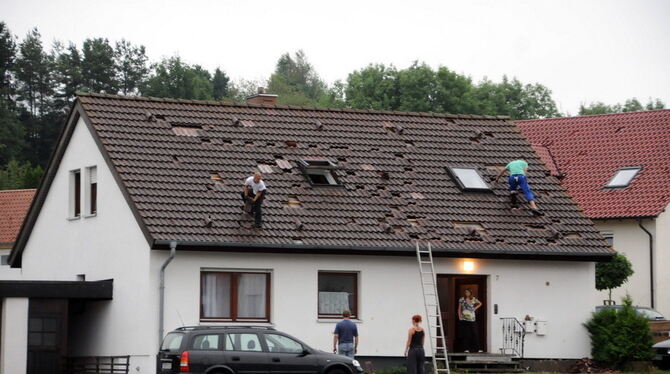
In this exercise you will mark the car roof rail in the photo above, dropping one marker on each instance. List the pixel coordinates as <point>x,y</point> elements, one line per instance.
<point>214,327</point>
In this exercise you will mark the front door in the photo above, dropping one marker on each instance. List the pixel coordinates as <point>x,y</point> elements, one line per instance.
<point>450,288</point>
<point>47,338</point>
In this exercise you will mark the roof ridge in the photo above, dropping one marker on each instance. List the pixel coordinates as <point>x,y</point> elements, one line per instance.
<point>292,107</point>
<point>594,115</point>
<point>19,189</point>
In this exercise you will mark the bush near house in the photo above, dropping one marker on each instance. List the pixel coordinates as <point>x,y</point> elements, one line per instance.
<point>619,336</point>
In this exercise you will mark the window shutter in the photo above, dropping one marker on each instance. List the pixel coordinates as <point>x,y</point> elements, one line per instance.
<point>93,174</point>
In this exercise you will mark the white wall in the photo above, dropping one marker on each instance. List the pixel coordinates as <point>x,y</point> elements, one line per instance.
<point>390,293</point>
<point>109,245</point>
<point>630,240</point>
<point>661,261</point>
<point>14,339</point>
<point>7,272</point>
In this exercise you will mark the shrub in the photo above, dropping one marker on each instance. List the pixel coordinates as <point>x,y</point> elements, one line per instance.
<point>620,336</point>
<point>392,371</point>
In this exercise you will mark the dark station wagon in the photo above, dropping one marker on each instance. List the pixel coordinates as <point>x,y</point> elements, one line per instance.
<point>245,350</point>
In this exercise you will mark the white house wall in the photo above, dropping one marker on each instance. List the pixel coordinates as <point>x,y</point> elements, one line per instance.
<point>390,293</point>
<point>661,261</point>
<point>109,245</point>
<point>630,240</point>
<point>7,272</point>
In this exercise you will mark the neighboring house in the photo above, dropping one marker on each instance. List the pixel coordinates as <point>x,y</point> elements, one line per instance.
<point>617,168</point>
<point>349,194</point>
<point>14,205</point>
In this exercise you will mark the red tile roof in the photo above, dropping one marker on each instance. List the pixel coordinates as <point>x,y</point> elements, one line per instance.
<point>14,205</point>
<point>590,150</point>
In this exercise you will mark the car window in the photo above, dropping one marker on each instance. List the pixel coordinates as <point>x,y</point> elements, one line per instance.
<point>172,341</point>
<point>243,342</point>
<point>650,314</point>
<point>206,342</point>
<point>282,344</point>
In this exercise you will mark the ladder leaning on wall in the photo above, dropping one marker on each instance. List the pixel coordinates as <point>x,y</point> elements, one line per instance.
<point>431,301</point>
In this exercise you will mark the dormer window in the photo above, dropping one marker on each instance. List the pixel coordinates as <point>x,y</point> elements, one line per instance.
<point>623,177</point>
<point>468,179</point>
<point>319,172</point>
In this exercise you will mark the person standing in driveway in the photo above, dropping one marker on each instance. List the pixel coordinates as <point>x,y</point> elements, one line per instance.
<point>416,357</point>
<point>345,336</point>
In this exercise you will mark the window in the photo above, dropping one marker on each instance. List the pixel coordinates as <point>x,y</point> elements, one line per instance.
<point>172,341</point>
<point>282,344</point>
<point>623,177</point>
<point>468,179</point>
<point>337,292</point>
<point>91,191</point>
<point>235,296</point>
<point>243,342</point>
<point>75,193</point>
<point>43,332</point>
<point>206,342</point>
<point>319,172</point>
<point>609,237</point>
<point>4,260</point>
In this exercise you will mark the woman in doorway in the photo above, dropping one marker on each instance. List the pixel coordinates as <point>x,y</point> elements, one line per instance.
<point>416,357</point>
<point>467,306</point>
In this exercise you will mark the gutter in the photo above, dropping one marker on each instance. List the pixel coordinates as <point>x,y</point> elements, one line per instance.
<point>161,303</point>
<point>651,261</point>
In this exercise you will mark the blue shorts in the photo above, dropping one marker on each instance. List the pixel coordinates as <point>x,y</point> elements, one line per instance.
<point>519,181</point>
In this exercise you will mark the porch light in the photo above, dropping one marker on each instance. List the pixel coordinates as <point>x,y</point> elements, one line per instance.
<point>468,266</point>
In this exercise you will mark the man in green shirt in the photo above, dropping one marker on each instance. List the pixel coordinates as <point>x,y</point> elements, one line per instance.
<point>517,180</point>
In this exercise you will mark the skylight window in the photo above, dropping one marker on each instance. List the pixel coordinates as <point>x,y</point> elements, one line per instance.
<point>469,179</point>
<point>623,177</point>
<point>319,172</point>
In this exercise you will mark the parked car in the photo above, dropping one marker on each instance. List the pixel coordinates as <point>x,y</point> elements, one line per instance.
<point>662,354</point>
<point>245,349</point>
<point>645,312</point>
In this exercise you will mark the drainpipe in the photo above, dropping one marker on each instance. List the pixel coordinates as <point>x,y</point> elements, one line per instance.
<point>651,261</point>
<point>161,303</point>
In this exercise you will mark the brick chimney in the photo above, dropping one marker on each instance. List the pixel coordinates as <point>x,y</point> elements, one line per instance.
<point>261,98</point>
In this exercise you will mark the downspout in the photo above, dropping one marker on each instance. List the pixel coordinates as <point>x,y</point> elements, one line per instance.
<point>161,303</point>
<point>651,261</point>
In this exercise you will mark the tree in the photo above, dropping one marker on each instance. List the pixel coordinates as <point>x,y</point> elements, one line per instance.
<point>220,85</point>
<point>7,58</point>
<point>613,274</point>
<point>34,74</point>
<point>68,73</point>
<point>519,101</point>
<point>455,93</point>
<point>11,133</point>
<point>374,87</point>
<point>98,66</point>
<point>131,63</point>
<point>630,105</point>
<point>174,78</point>
<point>17,175</point>
<point>295,81</point>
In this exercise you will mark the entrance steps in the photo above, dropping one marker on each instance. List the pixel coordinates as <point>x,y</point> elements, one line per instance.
<point>483,363</point>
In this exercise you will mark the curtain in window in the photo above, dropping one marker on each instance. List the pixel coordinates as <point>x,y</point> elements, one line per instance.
<point>215,295</point>
<point>251,296</point>
<point>333,302</point>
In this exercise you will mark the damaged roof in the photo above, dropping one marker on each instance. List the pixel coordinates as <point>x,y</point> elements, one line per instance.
<point>589,150</point>
<point>182,164</point>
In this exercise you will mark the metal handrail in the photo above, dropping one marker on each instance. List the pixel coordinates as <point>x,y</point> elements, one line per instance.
<point>514,337</point>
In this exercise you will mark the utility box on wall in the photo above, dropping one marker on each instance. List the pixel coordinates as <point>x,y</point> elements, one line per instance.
<point>541,327</point>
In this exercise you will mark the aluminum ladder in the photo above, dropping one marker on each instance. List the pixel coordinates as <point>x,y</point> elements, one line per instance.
<point>433,313</point>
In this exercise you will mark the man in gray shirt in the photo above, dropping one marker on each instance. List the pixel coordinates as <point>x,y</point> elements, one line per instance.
<point>254,193</point>
<point>346,336</point>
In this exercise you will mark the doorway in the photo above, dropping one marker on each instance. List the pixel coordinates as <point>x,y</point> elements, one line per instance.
<point>452,287</point>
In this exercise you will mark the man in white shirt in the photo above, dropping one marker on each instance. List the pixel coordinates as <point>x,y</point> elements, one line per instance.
<point>254,193</point>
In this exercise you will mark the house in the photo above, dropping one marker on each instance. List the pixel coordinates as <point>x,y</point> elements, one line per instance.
<point>14,205</point>
<point>138,224</point>
<point>617,168</point>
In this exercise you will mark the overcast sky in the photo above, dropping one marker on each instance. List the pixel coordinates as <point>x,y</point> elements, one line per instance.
<point>583,50</point>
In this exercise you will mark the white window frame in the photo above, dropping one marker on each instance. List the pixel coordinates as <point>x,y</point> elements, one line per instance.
<point>454,174</point>
<point>628,182</point>
<point>90,172</point>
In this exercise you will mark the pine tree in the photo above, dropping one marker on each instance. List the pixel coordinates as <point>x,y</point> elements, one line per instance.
<point>220,85</point>
<point>98,67</point>
<point>33,73</point>
<point>7,59</point>
<point>131,62</point>
<point>68,74</point>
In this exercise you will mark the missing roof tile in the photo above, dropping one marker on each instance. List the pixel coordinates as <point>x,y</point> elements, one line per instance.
<point>266,169</point>
<point>367,167</point>
<point>417,195</point>
<point>572,235</point>
<point>215,177</point>
<point>186,130</point>
<point>236,121</point>
<point>409,143</point>
<point>205,140</point>
<point>318,125</point>
<point>313,146</point>
<point>291,143</point>
<point>226,141</point>
<point>176,159</point>
<point>248,123</point>
<point>469,225</point>
<point>248,143</point>
<point>292,202</point>
<point>283,164</point>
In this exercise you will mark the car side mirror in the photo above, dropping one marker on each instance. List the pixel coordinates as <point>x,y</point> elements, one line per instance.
<point>304,353</point>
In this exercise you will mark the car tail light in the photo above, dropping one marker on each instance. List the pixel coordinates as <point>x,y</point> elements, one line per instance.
<point>183,363</point>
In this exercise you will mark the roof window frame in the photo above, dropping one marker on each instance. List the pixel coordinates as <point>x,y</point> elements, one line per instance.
<point>319,166</point>
<point>608,185</point>
<point>462,186</point>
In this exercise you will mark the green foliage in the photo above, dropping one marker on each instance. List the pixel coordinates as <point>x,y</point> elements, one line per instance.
<point>68,74</point>
<point>514,99</point>
<point>618,337</point>
<point>176,79</point>
<point>392,371</point>
<point>98,66</point>
<point>131,65</point>
<point>34,74</point>
<point>295,81</point>
<point>19,176</point>
<point>11,133</point>
<point>373,87</point>
<point>7,58</point>
<point>220,87</point>
<point>613,274</point>
<point>630,105</point>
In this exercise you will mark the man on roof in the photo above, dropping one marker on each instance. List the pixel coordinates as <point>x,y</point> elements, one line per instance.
<point>517,181</point>
<point>253,194</point>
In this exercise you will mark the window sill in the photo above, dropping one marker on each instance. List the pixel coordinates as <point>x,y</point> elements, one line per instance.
<point>73,218</point>
<point>90,215</point>
<point>336,320</point>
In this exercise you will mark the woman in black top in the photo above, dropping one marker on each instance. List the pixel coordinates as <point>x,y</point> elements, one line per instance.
<point>416,357</point>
